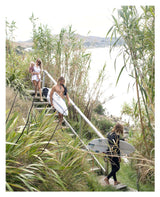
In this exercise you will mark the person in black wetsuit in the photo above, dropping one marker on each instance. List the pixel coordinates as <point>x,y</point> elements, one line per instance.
<point>114,152</point>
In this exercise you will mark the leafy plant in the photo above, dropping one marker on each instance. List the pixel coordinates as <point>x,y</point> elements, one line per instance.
<point>26,171</point>
<point>137,32</point>
<point>16,64</point>
<point>61,167</point>
<point>103,124</point>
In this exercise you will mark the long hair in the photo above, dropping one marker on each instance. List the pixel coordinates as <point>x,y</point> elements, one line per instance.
<point>118,128</point>
<point>39,62</point>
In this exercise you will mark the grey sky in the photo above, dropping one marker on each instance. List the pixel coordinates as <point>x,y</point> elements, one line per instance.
<point>84,16</point>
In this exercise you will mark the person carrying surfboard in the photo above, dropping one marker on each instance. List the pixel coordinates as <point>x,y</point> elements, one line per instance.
<point>114,152</point>
<point>61,90</point>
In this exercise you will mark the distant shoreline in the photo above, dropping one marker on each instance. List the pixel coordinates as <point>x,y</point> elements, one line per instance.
<point>89,42</point>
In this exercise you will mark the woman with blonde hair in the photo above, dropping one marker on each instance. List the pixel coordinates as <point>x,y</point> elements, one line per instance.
<point>36,77</point>
<point>114,152</point>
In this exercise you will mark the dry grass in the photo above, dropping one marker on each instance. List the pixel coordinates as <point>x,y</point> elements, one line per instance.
<point>21,106</point>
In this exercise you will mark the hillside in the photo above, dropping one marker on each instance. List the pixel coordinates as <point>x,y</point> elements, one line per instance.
<point>95,42</point>
<point>25,44</point>
<point>89,42</point>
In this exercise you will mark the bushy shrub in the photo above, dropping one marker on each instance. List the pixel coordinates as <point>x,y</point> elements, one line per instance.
<point>99,109</point>
<point>103,124</point>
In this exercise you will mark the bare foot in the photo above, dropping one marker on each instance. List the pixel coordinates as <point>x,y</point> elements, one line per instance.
<point>106,180</point>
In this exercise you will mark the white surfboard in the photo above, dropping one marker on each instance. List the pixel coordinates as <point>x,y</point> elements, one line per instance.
<point>101,145</point>
<point>58,102</point>
<point>126,148</point>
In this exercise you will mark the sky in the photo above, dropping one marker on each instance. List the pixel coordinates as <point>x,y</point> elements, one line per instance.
<point>84,16</point>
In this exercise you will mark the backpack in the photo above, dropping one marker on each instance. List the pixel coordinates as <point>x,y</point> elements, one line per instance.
<point>45,91</point>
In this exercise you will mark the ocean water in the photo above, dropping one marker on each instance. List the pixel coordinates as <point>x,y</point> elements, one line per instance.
<point>114,96</point>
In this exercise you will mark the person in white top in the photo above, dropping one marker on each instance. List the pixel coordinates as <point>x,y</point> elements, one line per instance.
<point>36,77</point>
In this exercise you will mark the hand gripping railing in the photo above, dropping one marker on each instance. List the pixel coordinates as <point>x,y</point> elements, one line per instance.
<point>82,115</point>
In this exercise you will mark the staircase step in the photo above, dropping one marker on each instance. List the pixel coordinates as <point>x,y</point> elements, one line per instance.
<point>71,134</point>
<point>41,108</point>
<point>31,91</point>
<point>38,98</point>
<point>95,169</point>
<point>48,114</point>
<point>111,181</point>
<point>41,103</point>
<point>55,121</point>
<point>45,108</point>
<point>90,159</point>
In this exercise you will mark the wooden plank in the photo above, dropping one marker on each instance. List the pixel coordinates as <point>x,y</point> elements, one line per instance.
<point>31,91</point>
<point>90,159</point>
<point>111,181</point>
<point>95,169</point>
<point>41,108</point>
<point>71,134</point>
<point>48,114</point>
<point>41,103</point>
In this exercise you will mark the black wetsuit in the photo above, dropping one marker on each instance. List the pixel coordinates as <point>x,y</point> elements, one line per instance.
<point>113,140</point>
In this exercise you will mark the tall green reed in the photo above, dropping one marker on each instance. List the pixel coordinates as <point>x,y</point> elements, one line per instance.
<point>61,167</point>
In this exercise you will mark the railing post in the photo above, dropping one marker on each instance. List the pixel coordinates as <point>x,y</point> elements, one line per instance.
<point>106,165</point>
<point>43,81</point>
<point>80,126</point>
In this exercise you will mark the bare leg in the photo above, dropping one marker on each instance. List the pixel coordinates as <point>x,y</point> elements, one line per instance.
<point>40,91</point>
<point>60,119</point>
<point>35,85</point>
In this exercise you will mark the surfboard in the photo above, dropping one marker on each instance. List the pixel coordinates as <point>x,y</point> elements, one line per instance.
<point>58,102</point>
<point>101,145</point>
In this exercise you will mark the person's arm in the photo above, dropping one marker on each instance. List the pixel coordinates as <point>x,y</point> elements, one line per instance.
<point>34,73</point>
<point>51,95</point>
<point>41,70</point>
<point>31,70</point>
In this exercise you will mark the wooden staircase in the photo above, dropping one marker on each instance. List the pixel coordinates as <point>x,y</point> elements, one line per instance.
<point>41,105</point>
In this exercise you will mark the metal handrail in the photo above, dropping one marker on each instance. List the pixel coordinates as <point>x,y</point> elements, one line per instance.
<point>82,115</point>
<point>84,145</point>
<point>74,105</point>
